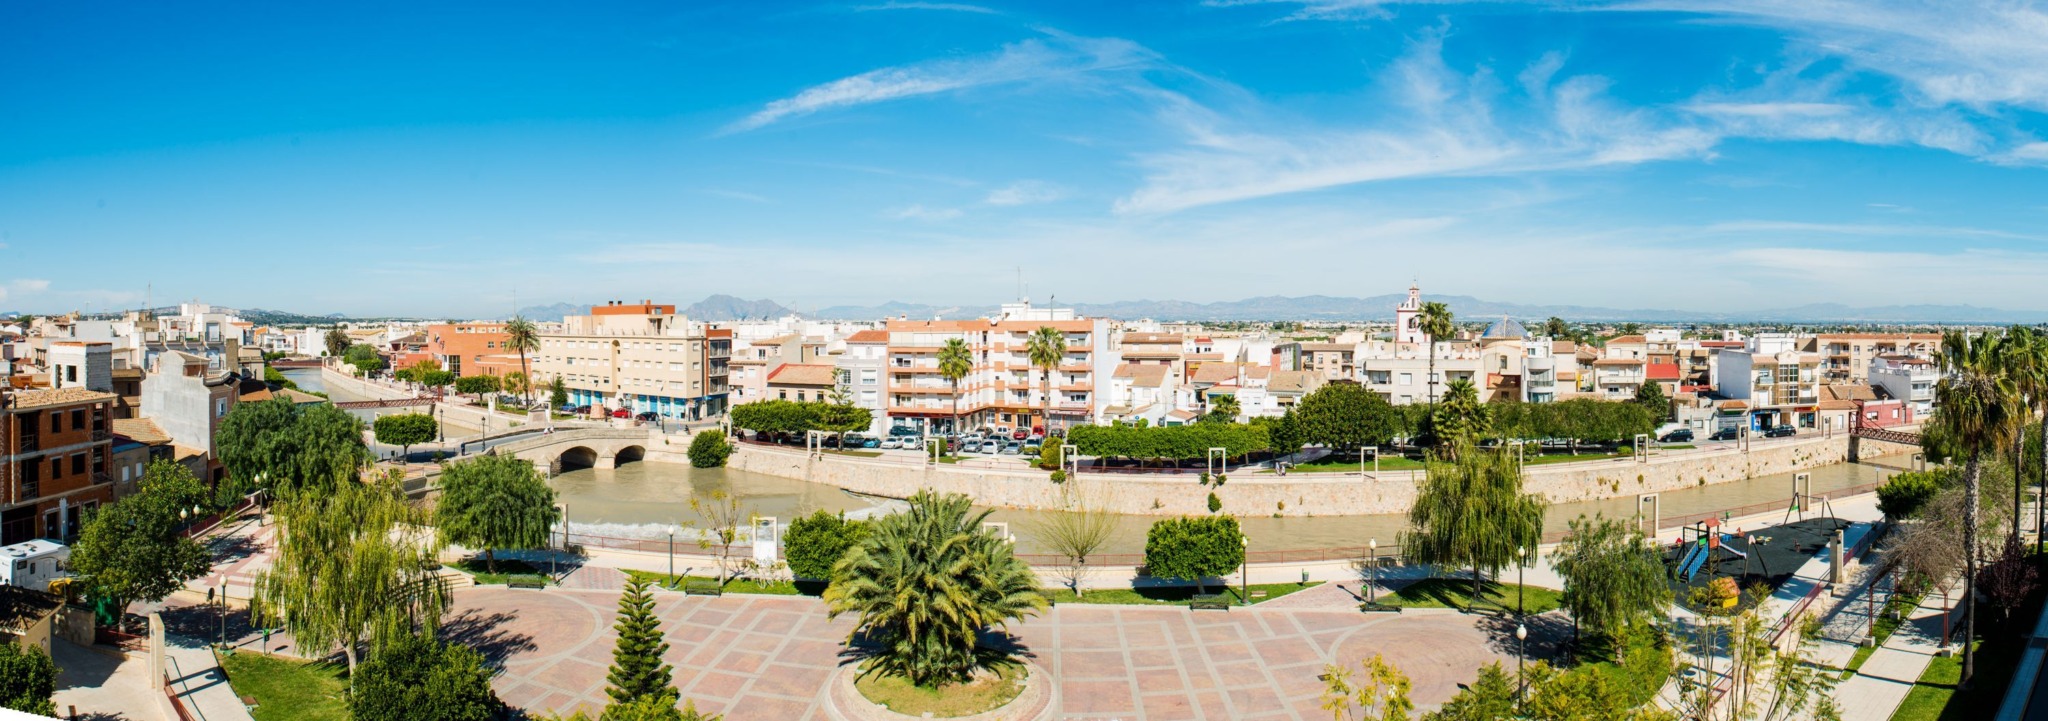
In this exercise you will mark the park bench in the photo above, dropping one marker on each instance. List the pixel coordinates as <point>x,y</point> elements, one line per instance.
<point>1377,607</point>
<point>1210,601</point>
<point>702,587</point>
<point>532,582</point>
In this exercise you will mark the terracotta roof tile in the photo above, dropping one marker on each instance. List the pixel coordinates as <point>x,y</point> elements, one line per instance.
<point>1146,375</point>
<point>869,336</point>
<point>805,374</point>
<point>59,397</point>
<point>140,430</point>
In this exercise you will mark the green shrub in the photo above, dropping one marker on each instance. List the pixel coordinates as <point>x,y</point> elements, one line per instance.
<point>28,678</point>
<point>1194,548</point>
<point>416,678</point>
<point>709,449</point>
<point>817,541</point>
<point>1904,494</point>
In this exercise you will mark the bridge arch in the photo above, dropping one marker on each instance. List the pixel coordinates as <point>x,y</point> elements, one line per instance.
<point>577,458</point>
<point>628,454</point>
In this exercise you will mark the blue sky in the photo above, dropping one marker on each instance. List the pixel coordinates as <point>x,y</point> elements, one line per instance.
<point>435,159</point>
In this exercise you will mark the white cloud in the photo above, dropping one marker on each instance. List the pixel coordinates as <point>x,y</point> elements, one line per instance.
<point>1443,124</point>
<point>1025,192</point>
<point>919,212</point>
<point>953,7</point>
<point>23,287</point>
<point>1035,60</point>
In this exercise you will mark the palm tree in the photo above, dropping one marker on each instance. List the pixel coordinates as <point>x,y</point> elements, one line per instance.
<point>1555,327</point>
<point>1460,420</point>
<point>1225,406</point>
<point>955,362</point>
<point>520,335</point>
<point>2021,359</point>
<point>1978,406</point>
<point>926,584</point>
<point>1046,348</point>
<point>1435,320</point>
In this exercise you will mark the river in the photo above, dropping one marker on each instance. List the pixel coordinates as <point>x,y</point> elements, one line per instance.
<point>646,499</point>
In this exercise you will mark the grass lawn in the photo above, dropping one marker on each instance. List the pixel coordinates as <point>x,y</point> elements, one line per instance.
<point>1169,594</point>
<point>967,699</point>
<point>856,454</point>
<point>1326,465</point>
<point>507,571</point>
<point>1457,593</point>
<point>1886,624</point>
<point>736,585</point>
<point>287,690</point>
<point>1998,651</point>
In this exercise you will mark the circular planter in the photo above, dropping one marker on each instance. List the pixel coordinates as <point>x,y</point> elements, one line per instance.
<point>1034,702</point>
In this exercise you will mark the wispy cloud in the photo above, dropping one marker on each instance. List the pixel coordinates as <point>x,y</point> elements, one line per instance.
<point>1760,227</point>
<point>1025,192</point>
<point>23,287</point>
<point>919,212</point>
<point>1036,60</point>
<point>950,7</point>
<point>1445,124</point>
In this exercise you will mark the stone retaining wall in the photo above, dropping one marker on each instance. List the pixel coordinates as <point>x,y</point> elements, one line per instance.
<point>1300,494</point>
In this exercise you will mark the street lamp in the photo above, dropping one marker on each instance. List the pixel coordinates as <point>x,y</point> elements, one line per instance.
<point>1244,569</point>
<point>1521,652</point>
<point>1656,511</point>
<point>1372,594</point>
<point>1522,558</point>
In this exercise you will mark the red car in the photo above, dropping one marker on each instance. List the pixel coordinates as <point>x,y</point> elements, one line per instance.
<point>622,413</point>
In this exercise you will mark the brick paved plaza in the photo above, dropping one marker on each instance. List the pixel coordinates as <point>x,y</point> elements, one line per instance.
<point>763,657</point>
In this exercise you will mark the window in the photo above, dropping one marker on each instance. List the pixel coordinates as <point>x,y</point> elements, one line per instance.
<point>220,407</point>
<point>868,376</point>
<point>783,394</point>
<point>77,464</point>
<point>56,468</point>
<point>78,419</point>
<point>1407,379</point>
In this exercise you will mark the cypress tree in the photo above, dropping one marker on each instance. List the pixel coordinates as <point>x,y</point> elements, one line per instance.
<point>637,669</point>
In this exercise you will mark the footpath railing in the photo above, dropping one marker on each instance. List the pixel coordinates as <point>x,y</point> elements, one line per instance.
<point>209,523</point>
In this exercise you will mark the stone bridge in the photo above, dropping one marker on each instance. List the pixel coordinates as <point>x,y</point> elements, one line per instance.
<point>573,448</point>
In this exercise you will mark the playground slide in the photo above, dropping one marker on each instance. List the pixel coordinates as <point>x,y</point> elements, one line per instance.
<point>1692,561</point>
<point>1725,538</point>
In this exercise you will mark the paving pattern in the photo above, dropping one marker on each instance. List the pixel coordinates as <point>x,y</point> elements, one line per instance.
<point>765,657</point>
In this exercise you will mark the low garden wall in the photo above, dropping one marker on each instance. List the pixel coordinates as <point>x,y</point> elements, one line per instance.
<point>1300,494</point>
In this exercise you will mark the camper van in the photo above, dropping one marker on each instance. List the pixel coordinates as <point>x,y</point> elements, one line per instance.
<point>33,564</point>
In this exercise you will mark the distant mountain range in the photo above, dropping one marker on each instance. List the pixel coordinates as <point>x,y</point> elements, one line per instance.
<point>1334,308</point>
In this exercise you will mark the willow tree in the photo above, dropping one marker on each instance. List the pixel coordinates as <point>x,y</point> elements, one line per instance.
<point>1472,512</point>
<point>955,362</point>
<point>281,447</point>
<point>492,502</point>
<point>355,566</point>
<point>1978,406</point>
<point>1613,576</point>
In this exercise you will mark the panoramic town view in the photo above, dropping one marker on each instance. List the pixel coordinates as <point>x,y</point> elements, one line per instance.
<point>1369,360</point>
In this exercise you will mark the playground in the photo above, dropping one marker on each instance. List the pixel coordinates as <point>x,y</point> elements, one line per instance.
<point>1767,555</point>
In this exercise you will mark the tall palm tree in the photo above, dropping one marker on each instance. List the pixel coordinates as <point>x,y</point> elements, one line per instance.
<point>1978,406</point>
<point>2024,360</point>
<point>1046,348</point>
<point>1436,324</point>
<point>520,335</point>
<point>955,362</point>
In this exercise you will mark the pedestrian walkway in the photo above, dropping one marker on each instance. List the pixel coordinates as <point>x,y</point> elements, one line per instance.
<point>199,683</point>
<point>1889,674</point>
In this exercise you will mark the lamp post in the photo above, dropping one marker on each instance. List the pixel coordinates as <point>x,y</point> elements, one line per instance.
<point>1372,593</point>
<point>1244,569</point>
<point>1521,652</point>
<point>1522,563</point>
<point>1656,511</point>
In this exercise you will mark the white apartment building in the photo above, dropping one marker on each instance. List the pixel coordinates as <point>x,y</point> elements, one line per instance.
<point>1771,382</point>
<point>1908,378</point>
<point>641,357</point>
<point>1003,389</point>
<point>861,365</point>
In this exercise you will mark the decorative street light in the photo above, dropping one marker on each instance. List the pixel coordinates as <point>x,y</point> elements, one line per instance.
<point>1372,594</point>
<point>1521,652</point>
<point>1656,511</point>
<point>1244,569</point>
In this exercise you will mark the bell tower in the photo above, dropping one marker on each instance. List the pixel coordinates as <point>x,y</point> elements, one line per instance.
<point>1408,318</point>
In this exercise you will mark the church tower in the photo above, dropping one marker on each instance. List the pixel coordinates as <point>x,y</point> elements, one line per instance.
<point>1408,318</point>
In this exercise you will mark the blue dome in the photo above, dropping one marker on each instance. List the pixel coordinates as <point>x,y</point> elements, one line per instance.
<point>1505,328</point>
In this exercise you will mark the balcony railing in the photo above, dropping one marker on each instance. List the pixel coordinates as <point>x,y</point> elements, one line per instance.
<point>27,442</point>
<point>102,435</point>
<point>102,477</point>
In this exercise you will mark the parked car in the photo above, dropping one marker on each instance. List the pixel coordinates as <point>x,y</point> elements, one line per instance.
<point>1726,434</point>
<point>1012,448</point>
<point>892,443</point>
<point>648,416</point>
<point>1780,432</point>
<point>1020,434</point>
<point>1032,448</point>
<point>1682,435</point>
<point>866,442</point>
<point>903,431</point>
<point>622,413</point>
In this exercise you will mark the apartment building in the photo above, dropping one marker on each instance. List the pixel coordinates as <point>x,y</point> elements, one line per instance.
<point>641,357</point>
<point>55,451</point>
<point>861,364</point>
<point>1618,379</point>
<point>471,349</point>
<point>1910,379</point>
<point>1848,357</point>
<point>1144,391</point>
<point>1774,382</point>
<point>1334,361</point>
<point>1003,389</point>
<point>188,399</point>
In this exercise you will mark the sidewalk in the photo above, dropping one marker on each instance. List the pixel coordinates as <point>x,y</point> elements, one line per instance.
<point>1891,671</point>
<point>199,682</point>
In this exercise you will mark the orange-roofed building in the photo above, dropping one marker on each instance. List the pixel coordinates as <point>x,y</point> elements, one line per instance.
<point>1002,390</point>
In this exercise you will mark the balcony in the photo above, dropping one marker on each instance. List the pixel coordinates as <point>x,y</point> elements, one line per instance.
<point>102,477</point>
<point>102,435</point>
<point>27,442</point>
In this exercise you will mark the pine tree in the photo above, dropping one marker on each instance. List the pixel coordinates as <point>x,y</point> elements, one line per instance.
<point>637,669</point>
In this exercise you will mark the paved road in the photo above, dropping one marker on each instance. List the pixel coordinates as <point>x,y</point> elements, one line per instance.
<point>766,657</point>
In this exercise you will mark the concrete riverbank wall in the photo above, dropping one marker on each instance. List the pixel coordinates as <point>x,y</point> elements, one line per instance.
<point>1298,494</point>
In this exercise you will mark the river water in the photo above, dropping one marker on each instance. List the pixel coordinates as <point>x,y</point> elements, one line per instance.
<point>645,500</point>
